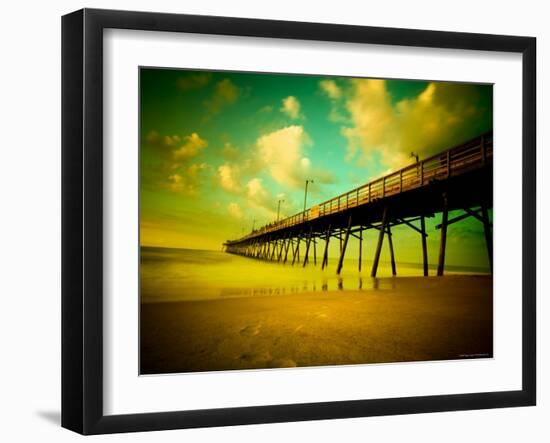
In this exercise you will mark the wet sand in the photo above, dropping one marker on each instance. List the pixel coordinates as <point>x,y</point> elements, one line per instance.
<point>406,319</point>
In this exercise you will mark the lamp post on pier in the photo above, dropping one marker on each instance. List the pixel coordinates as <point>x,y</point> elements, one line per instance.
<point>279,208</point>
<point>308,181</point>
<point>418,166</point>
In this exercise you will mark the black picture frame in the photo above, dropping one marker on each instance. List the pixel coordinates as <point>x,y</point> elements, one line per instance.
<point>82,218</point>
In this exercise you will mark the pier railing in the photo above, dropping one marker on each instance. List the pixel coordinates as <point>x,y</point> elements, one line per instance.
<point>458,160</point>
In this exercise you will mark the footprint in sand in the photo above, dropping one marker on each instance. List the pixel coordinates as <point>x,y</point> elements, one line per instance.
<point>250,330</point>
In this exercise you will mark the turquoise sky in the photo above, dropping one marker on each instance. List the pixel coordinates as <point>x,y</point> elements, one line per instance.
<point>220,149</point>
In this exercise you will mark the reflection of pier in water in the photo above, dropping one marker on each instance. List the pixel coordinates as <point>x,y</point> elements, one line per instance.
<point>460,178</point>
<point>326,285</point>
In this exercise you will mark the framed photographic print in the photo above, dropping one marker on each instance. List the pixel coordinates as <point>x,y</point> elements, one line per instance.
<point>269,221</point>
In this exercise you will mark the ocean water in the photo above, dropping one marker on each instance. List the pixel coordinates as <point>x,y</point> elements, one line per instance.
<point>189,274</point>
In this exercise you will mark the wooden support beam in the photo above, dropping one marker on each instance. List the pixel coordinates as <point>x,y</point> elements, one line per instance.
<point>314,252</point>
<point>475,214</point>
<point>467,213</point>
<point>344,246</point>
<point>410,225</point>
<point>336,235</point>
<point>275,243</point>
<point>392,256</point>
<point>267,249</point>
<point>374,226</point>
<point>379,226</point>
<point>360,247</point>
<point>296,251</point>
<point>424,246</point>
<point>379,245</point>
<point>288,243</point>
<point>361,228</point>
<point>325,254</point>
<point>488,235</point>
<point>308,242</point>
<point>281,247</point>
<point>443,242</point>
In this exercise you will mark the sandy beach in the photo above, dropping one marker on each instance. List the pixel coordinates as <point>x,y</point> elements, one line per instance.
<point>405,319</point>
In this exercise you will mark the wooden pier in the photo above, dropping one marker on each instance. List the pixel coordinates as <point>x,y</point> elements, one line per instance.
<point>459,178</point>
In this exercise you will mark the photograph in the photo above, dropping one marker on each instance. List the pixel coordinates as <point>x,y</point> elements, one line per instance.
<point>290,220</point>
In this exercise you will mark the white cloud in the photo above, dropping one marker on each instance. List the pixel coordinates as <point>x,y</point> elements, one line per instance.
<point>228,176</point>
<point>194,81</point>
<point>171,140</point>
<point>177,167</point>
<point>225,93</point>
<point>175,178</point>
<point>230,152</point>
<point>153,138</point>
<point>336,93</point>
<point>194,169</point>
<point>255,189</point>
<point>235,210</point>
<point>187,180</point>
<point>282,154</point>
<point>423,124</point>
<point>259,197</point>
<point>331,89</point>
<point>291,107</point>
<point>192,146</point>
